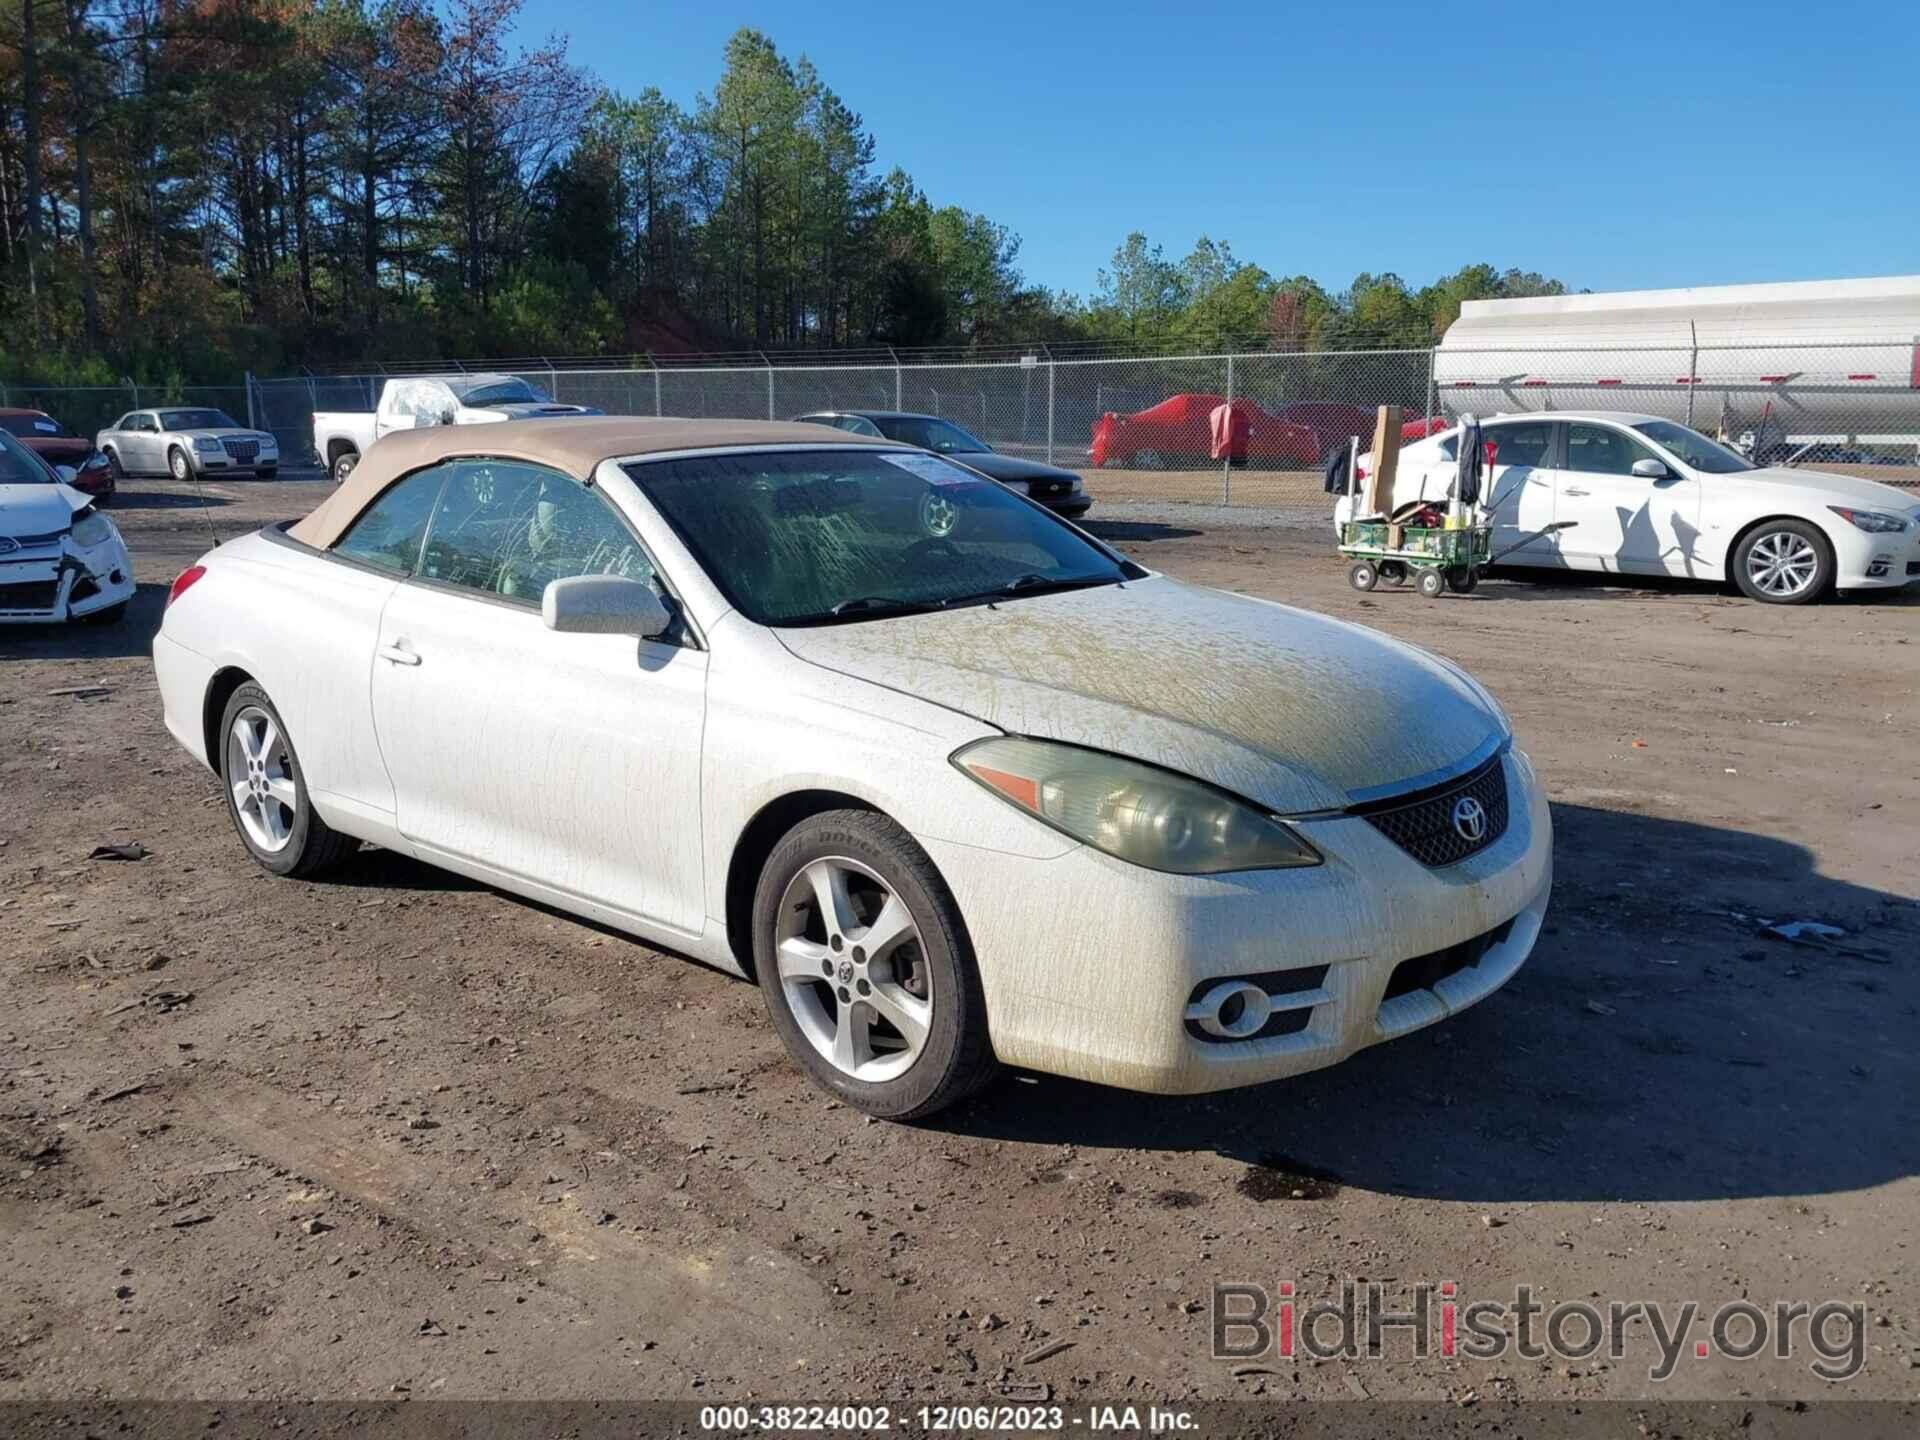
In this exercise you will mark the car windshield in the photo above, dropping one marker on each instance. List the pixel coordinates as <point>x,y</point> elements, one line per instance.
<point>500,392</point>
<point>20,466</point>
<point>1694,450</point>
<point>198,420</point>
<point>34,425</point>
<point>831,536</point>
<point>942,437</point>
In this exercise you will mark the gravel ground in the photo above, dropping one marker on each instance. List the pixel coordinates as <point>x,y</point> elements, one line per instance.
<point>397,1134</point>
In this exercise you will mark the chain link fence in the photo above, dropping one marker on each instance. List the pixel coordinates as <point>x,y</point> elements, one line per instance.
<point>1138,428</point>
<point>89,409</point>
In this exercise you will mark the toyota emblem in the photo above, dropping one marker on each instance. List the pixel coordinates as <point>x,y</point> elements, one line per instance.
<point>8,545</point>
<point>1470,819</point>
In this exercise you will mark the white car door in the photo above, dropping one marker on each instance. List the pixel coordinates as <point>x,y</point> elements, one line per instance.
<point>1633,524</point>
<point>1518,488</point>
<point>571,761</point>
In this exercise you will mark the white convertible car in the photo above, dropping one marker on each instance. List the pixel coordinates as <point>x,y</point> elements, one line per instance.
<point>959,785</point>
<point>1649,497</point>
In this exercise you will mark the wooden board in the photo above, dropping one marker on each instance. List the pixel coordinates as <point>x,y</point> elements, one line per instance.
<point>1386,460</point>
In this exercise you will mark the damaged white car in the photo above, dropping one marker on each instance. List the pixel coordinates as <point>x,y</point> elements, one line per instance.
<point>60,558</point>
<point>959,785</point>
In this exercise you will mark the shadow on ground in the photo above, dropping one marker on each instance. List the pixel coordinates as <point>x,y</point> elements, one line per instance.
<point>1654,1048</point>
<point>132,635</point>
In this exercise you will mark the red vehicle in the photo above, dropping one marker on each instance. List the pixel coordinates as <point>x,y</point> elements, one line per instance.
<point>1178,431</point>
<point>57,445</point>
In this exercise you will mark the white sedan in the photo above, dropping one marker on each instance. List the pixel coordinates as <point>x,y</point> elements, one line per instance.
<point>60,558</point>
<point>1650,497</point>
<point>959,785</point>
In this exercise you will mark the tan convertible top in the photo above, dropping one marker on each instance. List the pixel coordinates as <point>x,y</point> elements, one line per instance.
<point>573,445</point>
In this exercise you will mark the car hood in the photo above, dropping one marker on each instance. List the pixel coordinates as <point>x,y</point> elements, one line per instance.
<point>58,449</point>
<point>1291,709</point>
<point>1838,488</point>
<point>525,410</point>
<point>39,509</point>
<point>222,433</point>
<point>1010,467</point>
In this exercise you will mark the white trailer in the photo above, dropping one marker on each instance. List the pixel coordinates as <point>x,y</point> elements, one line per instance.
<point>1804,368</point>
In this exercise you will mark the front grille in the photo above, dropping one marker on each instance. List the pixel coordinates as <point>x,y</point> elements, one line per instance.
<point>1423,972</point>
<point>245,451</point>
<point>33,595</point>
<point>1422,824</point>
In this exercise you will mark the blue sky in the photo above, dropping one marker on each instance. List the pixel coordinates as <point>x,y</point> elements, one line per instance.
<point>1617,147</point>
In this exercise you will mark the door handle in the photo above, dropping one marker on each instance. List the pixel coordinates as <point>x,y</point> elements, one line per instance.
<point>1570,490</point>
<point>399,655</point>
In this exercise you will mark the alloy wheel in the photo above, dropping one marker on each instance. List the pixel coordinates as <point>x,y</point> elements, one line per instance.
<point>852,969</point>
<point>1782,563</point>
<point>260,772</point>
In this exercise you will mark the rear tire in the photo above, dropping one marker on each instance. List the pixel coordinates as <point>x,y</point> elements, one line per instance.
<point>1431,583</point>
<point>832,1002</point>
<point>1783,562</point>
<point>1362,576</point>
<point>266,791</point>
<point>343,464</point>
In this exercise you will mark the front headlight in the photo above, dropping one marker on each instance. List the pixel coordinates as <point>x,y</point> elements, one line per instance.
<point>1874,522</point>
<point>205,443</point>
<point>92,529</point>
<point>1134,812</point>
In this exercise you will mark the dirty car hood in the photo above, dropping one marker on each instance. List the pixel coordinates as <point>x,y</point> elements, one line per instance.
<point>1294,710</point>
<point>36,510</point>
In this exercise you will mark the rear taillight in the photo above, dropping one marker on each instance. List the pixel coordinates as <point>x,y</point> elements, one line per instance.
<point>184,582</point>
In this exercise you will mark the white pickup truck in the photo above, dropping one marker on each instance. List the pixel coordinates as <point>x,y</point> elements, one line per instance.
<point>412,402</point>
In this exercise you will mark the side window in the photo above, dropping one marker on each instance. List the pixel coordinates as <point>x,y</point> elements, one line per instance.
<point>389,531</point>
<point>860,425</point>
<point>1521,444</point>
<point>509,529</point>
<point>1599,450</point>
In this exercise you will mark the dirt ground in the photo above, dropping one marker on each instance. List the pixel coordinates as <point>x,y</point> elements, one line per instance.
<point>397,1134</point>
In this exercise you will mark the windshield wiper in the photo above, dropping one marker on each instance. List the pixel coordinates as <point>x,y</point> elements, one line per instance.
<point>1038,584</point>
<point>881,605</point>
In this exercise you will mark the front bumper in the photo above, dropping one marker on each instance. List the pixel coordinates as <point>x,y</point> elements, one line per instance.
<point>1866,560</point>
<point>1100,992</point>
<point>66,584</point>
<point>224,464</point>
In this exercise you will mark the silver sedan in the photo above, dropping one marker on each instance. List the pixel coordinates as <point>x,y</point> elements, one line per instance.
<point>187,441</point>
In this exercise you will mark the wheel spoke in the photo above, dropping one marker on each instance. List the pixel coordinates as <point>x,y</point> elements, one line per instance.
<point>908,1014</point>
<point>269,738</point>
<point>801,959</point>
<point>280,787</point>
<point>892,925</point>
<point>852,1047</point>
<point>244,733</point>
<point>242,795</point>
<point>829,883</point>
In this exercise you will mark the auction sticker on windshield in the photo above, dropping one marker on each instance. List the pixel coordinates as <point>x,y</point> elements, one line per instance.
<point>934,470</point>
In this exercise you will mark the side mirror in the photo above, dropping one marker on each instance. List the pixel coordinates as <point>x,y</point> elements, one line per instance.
<point>1651,469</point>
<point>446,416</point>
<point>66,473</point>
<point>605,605</point>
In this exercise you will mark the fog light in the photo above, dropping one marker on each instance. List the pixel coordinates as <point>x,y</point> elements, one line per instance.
<point>1232,1010</point>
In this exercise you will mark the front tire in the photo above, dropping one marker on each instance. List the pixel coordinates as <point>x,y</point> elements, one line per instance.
<point>267,791</point>
<point>1783,562</point>
<point>866,967</point>
<point>178,465</point>
<point>113,465</point>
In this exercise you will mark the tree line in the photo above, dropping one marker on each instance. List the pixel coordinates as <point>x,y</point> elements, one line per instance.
<point>191,187</point>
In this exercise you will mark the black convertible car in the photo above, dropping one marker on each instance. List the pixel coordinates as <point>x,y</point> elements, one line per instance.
<point>1059,490</point>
